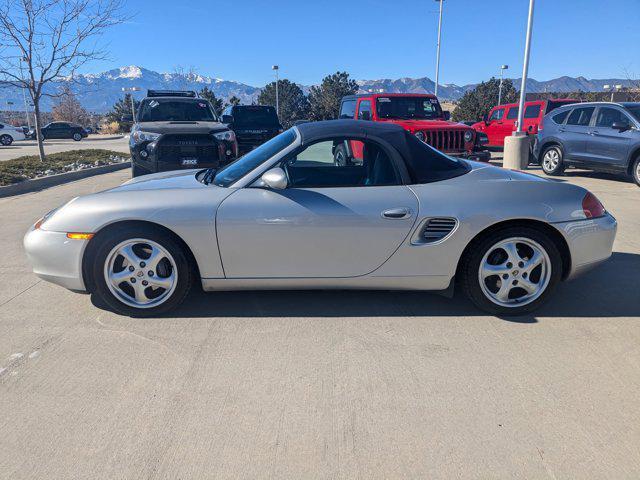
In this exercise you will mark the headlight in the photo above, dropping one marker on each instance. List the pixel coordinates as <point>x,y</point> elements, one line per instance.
<point>140,136</point>
<point>419,135</point>
<point>227,135</point>
<point>44,218</point>
<point>468,136</point>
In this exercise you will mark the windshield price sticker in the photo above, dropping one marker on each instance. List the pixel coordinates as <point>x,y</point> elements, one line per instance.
<point>384,99</point>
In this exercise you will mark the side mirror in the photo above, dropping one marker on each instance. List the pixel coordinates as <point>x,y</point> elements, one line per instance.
<point>227,118</point>
<point>620,126</point>
<point>365,115</point>
<point>447,115</point>
<point>126,118</point>
<point>275,178</point>
<point>485,119</point>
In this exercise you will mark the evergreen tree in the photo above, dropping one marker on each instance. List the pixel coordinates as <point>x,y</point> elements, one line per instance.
<point>293,104</point>
<point>324,99</point>
<point>121,108</point>
<point>217,103</point>
<point>476,103</point>
<point>234,101</point>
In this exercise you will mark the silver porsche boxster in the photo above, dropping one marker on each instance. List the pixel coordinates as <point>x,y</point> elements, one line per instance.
<point>340,204</point>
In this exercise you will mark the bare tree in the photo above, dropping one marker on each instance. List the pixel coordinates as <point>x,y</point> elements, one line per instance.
<point>68,108</point>
<point>45,41</point>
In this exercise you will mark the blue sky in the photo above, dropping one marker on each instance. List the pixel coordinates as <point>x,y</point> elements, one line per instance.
<point>371,39</point>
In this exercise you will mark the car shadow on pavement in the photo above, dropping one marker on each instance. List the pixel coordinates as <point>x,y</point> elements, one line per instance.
<point>606,291</point>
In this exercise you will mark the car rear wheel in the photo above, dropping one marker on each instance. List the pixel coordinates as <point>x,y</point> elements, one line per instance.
<point>140,271</point>
<point>635,171</point>
<point>77,137</point>
<point>6,140</point>
<point>511,271</point>
<point>552,163</point>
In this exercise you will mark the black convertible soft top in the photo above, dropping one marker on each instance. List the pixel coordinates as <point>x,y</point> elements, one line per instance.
<point>423,163</point>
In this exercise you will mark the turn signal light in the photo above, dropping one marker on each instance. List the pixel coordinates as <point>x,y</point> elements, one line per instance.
<point>79,236</point>
<point>592,207</point>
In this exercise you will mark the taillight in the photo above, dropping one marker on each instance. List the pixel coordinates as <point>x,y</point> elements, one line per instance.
<point>592,207</point>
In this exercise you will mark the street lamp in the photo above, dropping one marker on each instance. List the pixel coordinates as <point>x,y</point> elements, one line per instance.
<point>502,69</point>
<point>275,68</point>
<point>525,68</point>
<point>612,89</point>
<point>133,105</point>
<point>438,47</point>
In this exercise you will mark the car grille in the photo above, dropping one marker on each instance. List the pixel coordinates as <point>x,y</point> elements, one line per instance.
<point>445,140</point>
<point>247,140</point>
<point>437,228</point>
<point>174,148</point>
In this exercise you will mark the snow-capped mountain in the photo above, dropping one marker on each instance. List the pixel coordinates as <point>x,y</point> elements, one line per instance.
<point>98,92</point>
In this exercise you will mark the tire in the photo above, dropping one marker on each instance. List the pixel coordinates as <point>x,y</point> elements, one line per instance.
<point>340,156</point>
<point>485,264</point>
<point>551,160</point>
<point>635,171</point>
<point>6,140</point>
<point>150,289</point>
<point>77,137</point>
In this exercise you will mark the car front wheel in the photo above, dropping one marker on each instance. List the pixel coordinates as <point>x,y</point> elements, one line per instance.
<point>552,161</point>
<point>140,271</point>
<point>77,137</point>
<point>511,271</point>
<point>6,140</point>
<point>635,171</point>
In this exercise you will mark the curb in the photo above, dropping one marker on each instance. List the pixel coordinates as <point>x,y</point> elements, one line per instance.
<point>37,184</point>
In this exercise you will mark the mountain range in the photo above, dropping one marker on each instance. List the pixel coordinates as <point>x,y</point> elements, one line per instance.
<point>98,92</point>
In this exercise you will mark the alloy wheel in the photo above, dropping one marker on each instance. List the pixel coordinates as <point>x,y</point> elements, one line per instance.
<point>140,273</point>
<point>550,160</point>
<point>514,272</point>
<point>5,140</point>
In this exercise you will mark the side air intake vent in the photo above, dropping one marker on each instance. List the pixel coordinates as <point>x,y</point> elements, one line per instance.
<point>436,229</point>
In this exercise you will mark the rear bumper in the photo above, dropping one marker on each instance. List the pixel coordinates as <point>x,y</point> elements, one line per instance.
<point>478,156</point>
<point>56,258</point>
<point>590,242</point>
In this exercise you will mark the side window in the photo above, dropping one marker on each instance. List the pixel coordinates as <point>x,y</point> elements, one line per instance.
<point>581,116</point>
<point>348,109</point>
<point>532,111</point>
<point>559,118</point>
<point>316,166</point>
<point>496,114</point>
<point>364,110</point>
<point>608,116</point>
<point>512,114</point>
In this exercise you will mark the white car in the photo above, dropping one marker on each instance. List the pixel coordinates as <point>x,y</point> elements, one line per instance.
<point>9,134</point>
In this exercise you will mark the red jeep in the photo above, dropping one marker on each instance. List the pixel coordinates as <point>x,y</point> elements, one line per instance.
<point>501,120</point>
<point>422,116</point>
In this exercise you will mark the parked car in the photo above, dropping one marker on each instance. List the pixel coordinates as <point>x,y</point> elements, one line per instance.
<point>252,124</point>
<point>61,130</point>
<point>177,130</point>
<point>285,215</point>
<point>420,115</point>
<point>501,120</point>
<point>9,134</point>
<point>600,136</point>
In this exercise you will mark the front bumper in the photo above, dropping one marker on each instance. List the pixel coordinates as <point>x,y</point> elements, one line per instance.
<point>590,241</point>
<point>56,258</point>
<point>477,156</point>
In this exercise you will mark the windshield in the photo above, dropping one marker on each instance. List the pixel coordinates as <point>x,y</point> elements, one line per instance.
<point>255,116</point>
<point>634,110</point>
<point>408,107</point>
<point>165,110</point>
<point>238,169</point>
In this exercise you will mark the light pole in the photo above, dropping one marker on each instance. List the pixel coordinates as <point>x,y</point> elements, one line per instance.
<point>516,146</point>
<point>613,89</point>
<point>502,69</point>
<point>133,104</point>
<point>438,47</point>
<point>275,68</point>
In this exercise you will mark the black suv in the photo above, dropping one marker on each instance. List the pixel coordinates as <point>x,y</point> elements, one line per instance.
<point>177,130</point>
<point>252,124</point>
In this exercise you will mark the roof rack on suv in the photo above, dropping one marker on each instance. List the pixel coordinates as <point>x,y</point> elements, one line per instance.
<point>171,93</point>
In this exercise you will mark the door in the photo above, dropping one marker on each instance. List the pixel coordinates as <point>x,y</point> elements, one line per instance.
<point>532,117</point>
<point>509,124</point>
<point>493,127</point>
<point>607,147</point>
<point>574,134</point>
<point>331,221</point>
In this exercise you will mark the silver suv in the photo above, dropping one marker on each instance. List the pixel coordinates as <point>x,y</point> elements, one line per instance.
<point>600,136</point>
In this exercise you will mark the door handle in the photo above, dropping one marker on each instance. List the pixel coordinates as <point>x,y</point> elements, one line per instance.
<point>397,213</point>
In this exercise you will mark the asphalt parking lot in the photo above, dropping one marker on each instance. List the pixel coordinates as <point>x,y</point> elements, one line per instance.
<point>20,148</point>
<point>308,385</point>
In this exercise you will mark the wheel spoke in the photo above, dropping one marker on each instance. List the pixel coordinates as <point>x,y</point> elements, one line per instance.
<point>162,282</point>
<point>491,270</point>
<point>512,252</point>
<point>130,256</point>
<point>141,296</point>
<point>530,287</point>
<point>118,278</point>
<point>535,260</point>
<point>154,259</point>
<point>503,292</point>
